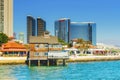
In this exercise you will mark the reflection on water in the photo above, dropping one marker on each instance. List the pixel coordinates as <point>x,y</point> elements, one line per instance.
<point>74,71</point>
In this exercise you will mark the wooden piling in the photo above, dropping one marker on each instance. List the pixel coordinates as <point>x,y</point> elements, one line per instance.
<point>48,63</point>
<point>64,62</point>
<point>29,63</point>
<point>38,62</point>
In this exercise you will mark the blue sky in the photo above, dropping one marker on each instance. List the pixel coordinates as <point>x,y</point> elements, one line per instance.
<point>106,14</point>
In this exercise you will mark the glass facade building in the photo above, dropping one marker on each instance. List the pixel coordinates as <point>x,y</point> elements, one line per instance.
<point>62,27</point>
<point>84,30</point>
<point>31,30</point>
<point>41,26</point>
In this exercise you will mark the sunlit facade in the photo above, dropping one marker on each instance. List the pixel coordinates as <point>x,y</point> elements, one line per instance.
<point>41,26</point>
<point>6,17</point>
<point>83,30</point>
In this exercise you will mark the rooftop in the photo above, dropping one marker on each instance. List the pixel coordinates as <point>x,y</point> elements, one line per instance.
<point>42,39</point>
<point>82,22</point>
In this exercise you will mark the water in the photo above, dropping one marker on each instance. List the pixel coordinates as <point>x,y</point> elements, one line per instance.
<point>109,70</point>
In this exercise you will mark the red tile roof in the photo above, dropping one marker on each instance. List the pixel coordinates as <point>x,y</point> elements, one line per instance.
<point>13,46</point>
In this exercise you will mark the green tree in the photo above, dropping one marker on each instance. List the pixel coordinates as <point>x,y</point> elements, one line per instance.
<point>81,41</point>
<point>62,41</point>
<point>69,45</point>
<point>88,43</point>
<point>83,44</point>
<point>3,38</point>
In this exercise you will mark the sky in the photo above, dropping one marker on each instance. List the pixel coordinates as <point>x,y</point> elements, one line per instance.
<point>105,13</point>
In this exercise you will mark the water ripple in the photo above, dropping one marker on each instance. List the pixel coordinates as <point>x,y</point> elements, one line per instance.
<point>108,70</point>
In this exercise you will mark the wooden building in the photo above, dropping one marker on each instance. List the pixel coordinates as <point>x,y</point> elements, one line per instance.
<point>40,49</point>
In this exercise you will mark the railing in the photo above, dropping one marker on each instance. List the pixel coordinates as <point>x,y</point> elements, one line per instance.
<point>57,55</point>
<point>49,55</point>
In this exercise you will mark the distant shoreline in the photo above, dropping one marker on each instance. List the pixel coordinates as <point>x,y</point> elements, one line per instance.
<point>22,60</point>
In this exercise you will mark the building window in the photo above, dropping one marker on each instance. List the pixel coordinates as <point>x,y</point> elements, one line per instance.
<point>46,54</point>
<point>41,46</point>
<point>36,54</point>
<point>46,45</point>
<point>36,46</point>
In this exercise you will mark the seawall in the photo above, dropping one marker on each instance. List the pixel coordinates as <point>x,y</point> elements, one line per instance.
<point>22,60</point>
<point>92,58</point>
<point>12,60</point>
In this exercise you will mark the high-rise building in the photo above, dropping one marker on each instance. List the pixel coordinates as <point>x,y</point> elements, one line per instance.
<point>21,37</point>
<point>41,26</point>
<point>83,30</point>
<point>6,17</point>
<point>31,30</point>
<point>62,29</point>
<point>67,30</point>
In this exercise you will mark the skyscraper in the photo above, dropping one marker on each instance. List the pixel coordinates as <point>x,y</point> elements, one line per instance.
<point>67,30</point>
<point>41,26</point>
<point>83,30</point>
<point>6,17</point>
<point>62,29</point>
<point>31,30</point>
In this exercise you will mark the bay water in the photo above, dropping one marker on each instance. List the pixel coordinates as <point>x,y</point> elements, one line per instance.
<point>107,70</point>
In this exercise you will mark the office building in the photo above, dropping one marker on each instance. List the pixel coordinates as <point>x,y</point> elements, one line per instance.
<point>21,37</point>
<point>83,30</point>
<point>67,30</point>
<point>31,30</point>
<point>41,26</point>
<point>6,17</point>
<point>62,29</point>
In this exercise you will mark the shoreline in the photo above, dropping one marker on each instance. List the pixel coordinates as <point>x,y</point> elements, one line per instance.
<point>22,60</point>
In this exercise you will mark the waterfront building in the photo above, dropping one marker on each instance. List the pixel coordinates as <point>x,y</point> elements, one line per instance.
<point>45,50</point>
<point>83,30</point>
<point>41,26</point>
<point>31,30</point>
<point>43,42</point>
<point>6,17</point>
<point>12,48</point>
<point>21,37</point>
<point>62,29</point>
